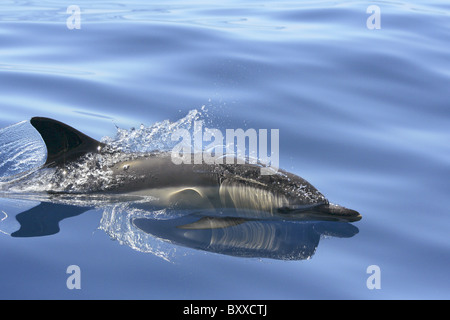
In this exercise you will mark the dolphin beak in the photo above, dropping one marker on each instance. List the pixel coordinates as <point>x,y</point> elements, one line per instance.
<point>341,212</point>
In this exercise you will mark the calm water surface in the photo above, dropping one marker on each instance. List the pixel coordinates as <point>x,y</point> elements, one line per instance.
<point>363,115</point>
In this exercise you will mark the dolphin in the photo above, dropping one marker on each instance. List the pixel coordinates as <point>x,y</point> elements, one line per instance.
<point>281,195</point>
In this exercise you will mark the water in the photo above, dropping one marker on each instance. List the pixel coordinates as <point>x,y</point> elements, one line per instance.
<point>362,114</point>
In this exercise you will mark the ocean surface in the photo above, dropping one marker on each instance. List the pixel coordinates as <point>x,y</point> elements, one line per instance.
<point>361,101</point>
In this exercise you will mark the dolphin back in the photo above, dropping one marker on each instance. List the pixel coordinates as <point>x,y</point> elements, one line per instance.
<point>64,143</point>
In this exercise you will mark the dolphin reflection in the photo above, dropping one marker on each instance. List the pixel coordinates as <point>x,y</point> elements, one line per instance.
<point>240,237</point>
<point>224,232</point>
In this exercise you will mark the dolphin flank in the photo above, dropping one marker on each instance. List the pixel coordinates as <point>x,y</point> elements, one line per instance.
<point>196,186</point>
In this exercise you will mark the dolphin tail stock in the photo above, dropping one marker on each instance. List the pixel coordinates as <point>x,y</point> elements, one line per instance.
<point>64,143</point>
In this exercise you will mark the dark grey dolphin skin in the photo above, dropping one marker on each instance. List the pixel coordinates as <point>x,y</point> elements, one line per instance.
<point>196,186</point>
<point>64,143</point>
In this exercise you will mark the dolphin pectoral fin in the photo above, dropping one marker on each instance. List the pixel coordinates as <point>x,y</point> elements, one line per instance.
<point>213,223</point>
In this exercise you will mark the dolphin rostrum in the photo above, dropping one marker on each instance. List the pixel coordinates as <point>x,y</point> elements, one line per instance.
<point>197,186</point>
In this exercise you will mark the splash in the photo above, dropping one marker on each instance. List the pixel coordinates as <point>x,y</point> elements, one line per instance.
<point>116,222</point>
<point>21,175</point>
<point>155,137</point>
<point>23,153</point>
<point>21,150</point>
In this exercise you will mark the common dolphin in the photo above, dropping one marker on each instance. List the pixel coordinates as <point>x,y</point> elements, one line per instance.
<point>197,186</point>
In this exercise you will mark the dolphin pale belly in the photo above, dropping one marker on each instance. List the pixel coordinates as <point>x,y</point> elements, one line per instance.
<point>282,195</point>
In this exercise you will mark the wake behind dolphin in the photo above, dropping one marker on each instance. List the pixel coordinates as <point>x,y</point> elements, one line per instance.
<point>282,195</point>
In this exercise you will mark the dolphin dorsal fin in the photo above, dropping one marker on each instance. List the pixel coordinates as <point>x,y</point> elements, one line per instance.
<point>64,143</point>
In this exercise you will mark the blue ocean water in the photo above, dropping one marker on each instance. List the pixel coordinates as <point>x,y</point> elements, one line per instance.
<point>363,114</point>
